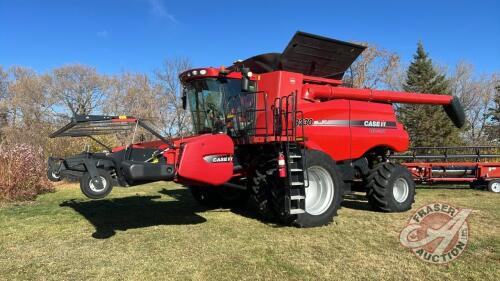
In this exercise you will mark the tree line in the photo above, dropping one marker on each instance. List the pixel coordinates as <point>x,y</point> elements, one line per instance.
<point>427,125</point>
<point>34,104</point>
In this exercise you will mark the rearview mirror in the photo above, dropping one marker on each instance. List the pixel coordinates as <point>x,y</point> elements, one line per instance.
<point>244,84</point>
<point>245,81</point>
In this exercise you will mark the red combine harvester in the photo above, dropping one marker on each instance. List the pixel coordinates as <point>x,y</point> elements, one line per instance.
<point>444,165</point>
<point>277,128</point>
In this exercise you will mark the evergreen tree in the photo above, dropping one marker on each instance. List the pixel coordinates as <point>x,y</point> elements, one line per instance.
<point>494,128</point>
<point>428,125</point>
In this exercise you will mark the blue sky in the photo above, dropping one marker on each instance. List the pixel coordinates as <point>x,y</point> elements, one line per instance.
<point>137,35</point>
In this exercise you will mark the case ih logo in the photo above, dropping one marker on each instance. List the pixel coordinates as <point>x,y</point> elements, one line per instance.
<point>437,233</point>
<point>218,158</point>
<point>347,123</point>
<point>374,123</point>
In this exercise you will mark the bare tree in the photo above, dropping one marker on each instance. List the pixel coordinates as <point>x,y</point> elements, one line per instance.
<point>78,87</point>
<point>375,68</point>
<point>28,101</point>
<point>132,94</point>
<point>28,107</point>
<point>177,121</point>
<point>4,82</point>
<point>476,96</point>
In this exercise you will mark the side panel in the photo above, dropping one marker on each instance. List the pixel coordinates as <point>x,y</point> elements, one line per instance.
<point>275,84</point>
<point>206,159</point>
<point>374,124</point>
<point>327,127</point>
<point>489,170</point>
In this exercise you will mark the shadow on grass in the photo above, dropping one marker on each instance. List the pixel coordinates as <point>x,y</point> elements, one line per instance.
<point>110,215</point>
<point>443,186</point>
<point>357,202</point>
<point>246,210</point>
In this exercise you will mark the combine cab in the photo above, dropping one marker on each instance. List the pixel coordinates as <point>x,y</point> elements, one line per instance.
<point>280,129</point>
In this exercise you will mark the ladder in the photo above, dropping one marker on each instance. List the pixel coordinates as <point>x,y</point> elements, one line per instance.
<point>285,127</point>
<point>295,183</point>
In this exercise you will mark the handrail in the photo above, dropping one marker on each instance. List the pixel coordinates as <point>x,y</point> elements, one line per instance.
<point>450,152</point>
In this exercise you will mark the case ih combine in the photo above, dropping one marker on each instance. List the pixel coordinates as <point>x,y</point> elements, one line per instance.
<point>278,128</point>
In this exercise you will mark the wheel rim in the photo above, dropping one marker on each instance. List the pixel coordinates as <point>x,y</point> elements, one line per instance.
<point>495,187</point>
<point>54,175</point>
<point>95,188</point>
<point>400,190</point>
<point>320,192</point>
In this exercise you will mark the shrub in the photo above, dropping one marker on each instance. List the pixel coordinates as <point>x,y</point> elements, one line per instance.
<point>22,173</point>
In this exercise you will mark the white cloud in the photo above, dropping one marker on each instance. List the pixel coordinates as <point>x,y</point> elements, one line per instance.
<point>158,9</point>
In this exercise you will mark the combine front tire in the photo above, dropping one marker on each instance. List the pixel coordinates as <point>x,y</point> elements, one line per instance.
<point>324,193</point>
<point>390,188</point>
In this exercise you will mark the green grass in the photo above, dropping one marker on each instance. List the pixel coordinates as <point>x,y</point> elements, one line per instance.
<point>157,231</point>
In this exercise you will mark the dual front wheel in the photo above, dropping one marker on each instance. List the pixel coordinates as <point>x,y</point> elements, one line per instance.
<point>390,188</point>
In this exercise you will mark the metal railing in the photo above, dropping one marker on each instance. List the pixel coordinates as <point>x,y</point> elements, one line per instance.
<point>447,153</point>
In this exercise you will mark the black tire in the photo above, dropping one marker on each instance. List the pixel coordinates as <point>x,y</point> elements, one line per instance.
<point>317,160</point>
<point>92,193</point>
<point>381,183</point>
<point>218,196</point>
<point>494,186</point>
<point>52,176</point>
<point>260,194</point>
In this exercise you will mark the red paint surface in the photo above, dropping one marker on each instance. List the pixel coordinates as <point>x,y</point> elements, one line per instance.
<point>422,172</point>
<point>193,167</point>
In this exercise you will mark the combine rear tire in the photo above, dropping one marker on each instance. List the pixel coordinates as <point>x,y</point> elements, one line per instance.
<point>90,188</point>
<point>390,188</point>
<point>494,186</point>
<point>218,196</point>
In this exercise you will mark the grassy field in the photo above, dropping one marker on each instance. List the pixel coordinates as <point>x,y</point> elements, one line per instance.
<point>157,231</point>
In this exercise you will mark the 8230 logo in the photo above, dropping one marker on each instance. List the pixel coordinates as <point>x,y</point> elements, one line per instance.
<point>437,233</point>
<point>304,122</point>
